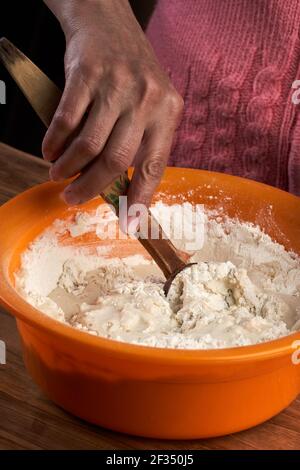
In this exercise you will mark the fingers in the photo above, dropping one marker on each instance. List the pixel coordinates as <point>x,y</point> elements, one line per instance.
<point>116,157</point>
<point>153,155</point>
<point>88,144</point>
<point>71,109</point>
<point>151,162</point>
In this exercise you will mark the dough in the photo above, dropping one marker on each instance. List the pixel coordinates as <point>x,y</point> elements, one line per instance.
<point>243,290</point>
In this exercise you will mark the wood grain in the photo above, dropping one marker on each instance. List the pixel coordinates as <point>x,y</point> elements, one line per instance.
<point>29,421</point>
<point>31,80</point>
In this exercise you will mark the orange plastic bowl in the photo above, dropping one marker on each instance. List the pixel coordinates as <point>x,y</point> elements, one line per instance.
<point>162,393</point>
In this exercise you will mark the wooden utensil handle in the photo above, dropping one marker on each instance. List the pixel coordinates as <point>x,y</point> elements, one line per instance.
<point>31,80</point>
<point>161,249</point>
<point>117,188</point>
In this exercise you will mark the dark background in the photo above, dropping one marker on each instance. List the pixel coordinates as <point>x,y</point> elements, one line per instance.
<point>32,27</point>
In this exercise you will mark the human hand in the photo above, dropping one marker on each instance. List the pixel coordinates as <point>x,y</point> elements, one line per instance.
<point>118,106</point>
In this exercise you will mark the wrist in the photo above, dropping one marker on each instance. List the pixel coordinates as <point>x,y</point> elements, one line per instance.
<point>71,14</point>
<point>57,7</point>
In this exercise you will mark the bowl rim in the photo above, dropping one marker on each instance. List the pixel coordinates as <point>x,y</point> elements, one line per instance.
<point>40,321</point>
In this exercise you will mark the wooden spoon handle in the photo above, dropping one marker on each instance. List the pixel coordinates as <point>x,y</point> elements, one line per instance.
<point>31,80</point>
<point>161,249</point>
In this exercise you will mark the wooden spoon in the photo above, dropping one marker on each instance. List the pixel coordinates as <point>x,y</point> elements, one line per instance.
<point>44,97</point>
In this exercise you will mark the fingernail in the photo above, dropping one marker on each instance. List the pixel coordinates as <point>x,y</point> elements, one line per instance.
<point>123,223</point>
<point>129,225</point>
<point>69,198</point>
<point>47,155</point>
<point>52,174</point>
<point>132,225</point>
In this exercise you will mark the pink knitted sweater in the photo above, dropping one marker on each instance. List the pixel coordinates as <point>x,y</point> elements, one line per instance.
<point>234,62</point>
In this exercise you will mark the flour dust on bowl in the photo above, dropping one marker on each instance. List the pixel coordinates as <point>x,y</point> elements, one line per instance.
<point>183,379</point>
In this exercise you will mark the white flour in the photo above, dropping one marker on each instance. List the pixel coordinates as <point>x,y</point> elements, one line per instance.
<point>244,289</point>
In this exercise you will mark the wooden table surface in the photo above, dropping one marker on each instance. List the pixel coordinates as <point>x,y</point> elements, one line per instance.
<point>29,421</point>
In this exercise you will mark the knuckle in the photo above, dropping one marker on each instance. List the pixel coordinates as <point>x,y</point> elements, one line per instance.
<point>88,69</point>
<point>64,121</point>
<point>121,75</point>
<point>86,73</point>
<point>88,145</point>
<point>117,160</point>
<point>174,103</point>
<point>153,89</point>
<point>153,167</point>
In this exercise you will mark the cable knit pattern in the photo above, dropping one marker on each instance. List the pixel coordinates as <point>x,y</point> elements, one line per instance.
<point>234,62</point>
